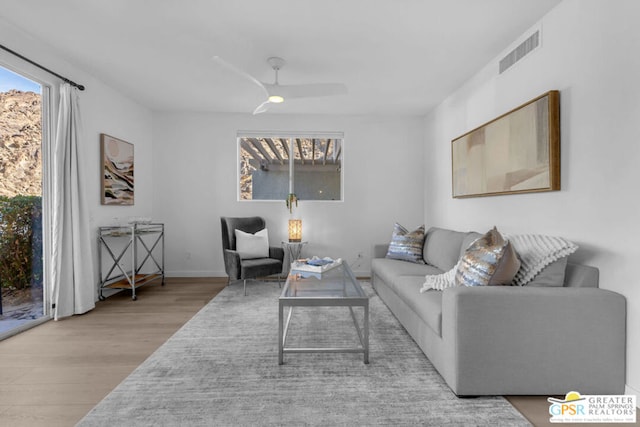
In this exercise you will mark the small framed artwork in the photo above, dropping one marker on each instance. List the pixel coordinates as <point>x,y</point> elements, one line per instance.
<point>117,171</point>
<point>518,152</point>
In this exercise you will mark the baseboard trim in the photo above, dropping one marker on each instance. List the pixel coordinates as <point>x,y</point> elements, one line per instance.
<point>205,273</point>
<point>178,280</point>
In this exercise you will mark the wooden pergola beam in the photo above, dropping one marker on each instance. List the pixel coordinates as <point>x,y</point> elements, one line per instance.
<point>299,143</point>
<point>313,151</point>
<point>249,149</point>
<point>326,151</point>
<point>258,146</point>
<point>285,146</point>
<point>273,148</point>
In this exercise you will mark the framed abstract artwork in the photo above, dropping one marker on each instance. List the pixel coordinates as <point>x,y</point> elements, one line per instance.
<point>117,171</point>
<point>518,152</point>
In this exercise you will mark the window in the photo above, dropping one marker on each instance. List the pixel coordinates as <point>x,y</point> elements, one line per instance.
<point>269,172</point>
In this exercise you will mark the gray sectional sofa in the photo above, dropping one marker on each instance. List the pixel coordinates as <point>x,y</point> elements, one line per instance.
<point>507,340</point>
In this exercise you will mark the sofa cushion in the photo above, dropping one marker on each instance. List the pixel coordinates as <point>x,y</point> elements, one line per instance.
<point>581,276</point>
<point>428,305</point>
<point>490,260</point>
<point>442,247</point>
<point>551,275</point>
<point>406,245</point>
<point>388,269</point>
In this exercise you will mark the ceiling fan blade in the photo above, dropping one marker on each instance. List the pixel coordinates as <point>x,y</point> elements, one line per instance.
<point>262,107</point>
<point>240,72</point>
<point>306,91</point>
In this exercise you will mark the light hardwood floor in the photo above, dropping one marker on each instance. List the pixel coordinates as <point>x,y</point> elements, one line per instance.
<point>53,374</point>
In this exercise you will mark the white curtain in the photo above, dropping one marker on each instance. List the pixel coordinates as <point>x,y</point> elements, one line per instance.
<point>73,287</point>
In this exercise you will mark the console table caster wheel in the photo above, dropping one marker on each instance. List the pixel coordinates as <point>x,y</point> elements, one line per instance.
<point>101,298</point>
<point>134,297</point>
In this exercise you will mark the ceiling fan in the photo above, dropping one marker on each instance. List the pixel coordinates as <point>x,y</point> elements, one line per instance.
<point>277,93</point>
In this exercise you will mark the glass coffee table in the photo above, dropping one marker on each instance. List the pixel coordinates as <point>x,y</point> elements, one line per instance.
<point>337,287</point>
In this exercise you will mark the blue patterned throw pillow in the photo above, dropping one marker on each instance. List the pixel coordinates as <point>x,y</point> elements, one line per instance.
<point>490,260</point>
<point>405,245</point>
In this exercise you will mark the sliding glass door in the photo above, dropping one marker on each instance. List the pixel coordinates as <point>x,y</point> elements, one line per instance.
<point>21,210</point>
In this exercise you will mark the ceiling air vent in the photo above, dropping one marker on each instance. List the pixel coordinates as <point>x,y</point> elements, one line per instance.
<point>520,52</point>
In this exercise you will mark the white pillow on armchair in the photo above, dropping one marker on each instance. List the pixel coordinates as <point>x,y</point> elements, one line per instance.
<point>252,245</point>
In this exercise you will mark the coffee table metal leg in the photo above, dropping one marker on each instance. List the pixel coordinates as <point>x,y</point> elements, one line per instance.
<point>363,334</point>
<point>366,332</point>
<point>280,334</point>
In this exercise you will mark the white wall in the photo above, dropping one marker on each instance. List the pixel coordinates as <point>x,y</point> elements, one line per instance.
<point>589,53</point>
<point>195,168</point>
<point>103,110</point>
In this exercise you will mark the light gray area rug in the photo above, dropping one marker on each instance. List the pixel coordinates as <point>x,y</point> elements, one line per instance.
<point>221,369</point>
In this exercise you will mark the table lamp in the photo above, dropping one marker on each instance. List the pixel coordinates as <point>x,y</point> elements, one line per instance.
<point>295,230</point>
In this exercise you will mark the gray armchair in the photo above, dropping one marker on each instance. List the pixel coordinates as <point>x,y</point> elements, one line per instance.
<point>243,269</point>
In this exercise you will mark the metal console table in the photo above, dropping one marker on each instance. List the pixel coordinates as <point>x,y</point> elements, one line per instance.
<point>127,264</point>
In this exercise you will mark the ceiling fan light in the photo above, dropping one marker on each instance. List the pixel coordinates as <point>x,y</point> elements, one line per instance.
<point>276,99</point>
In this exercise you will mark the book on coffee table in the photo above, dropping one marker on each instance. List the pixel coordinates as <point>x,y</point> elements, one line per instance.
<point>314,266</point>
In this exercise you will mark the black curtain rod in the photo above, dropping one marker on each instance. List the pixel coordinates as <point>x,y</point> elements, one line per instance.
<point>66,80</point>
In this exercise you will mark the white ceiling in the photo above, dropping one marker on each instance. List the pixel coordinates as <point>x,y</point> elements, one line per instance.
<point>395,56</point>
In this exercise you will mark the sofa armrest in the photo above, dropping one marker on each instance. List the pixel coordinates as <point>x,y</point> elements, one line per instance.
<point>505,340</point>
<point>380,250</point>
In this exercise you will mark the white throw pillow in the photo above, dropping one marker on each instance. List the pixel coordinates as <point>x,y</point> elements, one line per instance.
<point>252,245</point>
